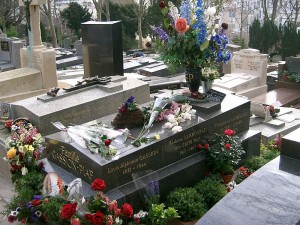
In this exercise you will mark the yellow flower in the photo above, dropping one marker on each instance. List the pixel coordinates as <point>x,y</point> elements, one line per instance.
<point>11,153</point>
<point>157,137</point>
<point>30,148</point>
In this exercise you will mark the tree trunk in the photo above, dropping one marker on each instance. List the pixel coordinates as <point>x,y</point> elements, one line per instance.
<point>107,10</point>
<point>265,10</point>
<point>52,28</point>
<point>297,10</point>
<point>274,11</point>
<point>98,6</point>
<point>140,16</point>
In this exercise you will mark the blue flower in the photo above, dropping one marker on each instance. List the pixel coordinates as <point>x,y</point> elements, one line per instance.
<point>185,10</point>
<point>200,25</point>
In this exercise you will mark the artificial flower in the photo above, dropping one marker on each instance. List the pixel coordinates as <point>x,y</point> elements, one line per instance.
<point>11,153</point>
<point>176,129</point>
<point>68,210</point>
<point>127,210</point>
<point>98,185</point>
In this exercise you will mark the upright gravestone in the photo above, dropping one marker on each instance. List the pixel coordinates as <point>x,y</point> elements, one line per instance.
<point>102,48</point>
<point>36,55</point>
<point>293,64</point>
<point>5,47</point>
<point>248,75</point>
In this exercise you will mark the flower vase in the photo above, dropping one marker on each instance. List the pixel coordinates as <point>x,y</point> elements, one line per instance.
<point>227,178</point>
<point>193,77</point>
<point>206,85</point>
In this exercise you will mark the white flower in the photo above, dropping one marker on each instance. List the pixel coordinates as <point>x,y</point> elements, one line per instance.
<point>171,119</point>
<point>193,112</point>
<point>140,214</point>
<point>173,11</point>
<point>210,11</point>
<point>24,171</point>
<point>176,129</point>
<point>180,119</point>
<point>168,125</point>
<point>187,116</point>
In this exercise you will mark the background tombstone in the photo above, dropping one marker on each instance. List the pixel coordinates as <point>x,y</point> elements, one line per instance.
<point>102,48</point>
<point>67,43</point>
<point>5,47</point>
<point>232,48</point>
<point>78,47</point>
<point>293,64</point>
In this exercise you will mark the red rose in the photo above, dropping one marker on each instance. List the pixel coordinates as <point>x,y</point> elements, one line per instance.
<point>162,4</point>
<point>89,217</point>
<point>181,25</point>
<point>98,185</point>
<point>127,210</point>
<point>227,146</point>
<point>68,210</point>
<point>98,218</point>
<point>206,146</point>
<point>107,142</point>
<point>199,146</point>
<point>75,221</point>
<point>8,123</point>
<point>243,169</point>
<point>117,212</point>
<point>229,132</point>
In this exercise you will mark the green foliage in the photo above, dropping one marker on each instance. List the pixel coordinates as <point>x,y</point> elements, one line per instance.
<point>158,215</point>
<point>269,36</point>
<point>255,35</point>
<point>12,32</point>
<point>188,202</point>
<point>290,44</point>
<point>212,190</point>
<point>127,15</point>
<point>32,180</point>
<point>255,162</point>
<point>43,32</point>
<point>53,207</point>
<point>74,15</point>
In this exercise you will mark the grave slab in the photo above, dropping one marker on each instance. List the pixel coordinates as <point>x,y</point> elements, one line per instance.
<point>266,197</point>
<point>234,114</point>
<point>79,107</point>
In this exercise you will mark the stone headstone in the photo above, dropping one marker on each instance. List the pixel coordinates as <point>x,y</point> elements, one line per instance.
<point>293,64</point>
<point>291,145</point>
<point>5,49</point>
<point>78,46</point>
<point>232,48</point>
<point>248,74</point>
<point>102,48</point>
<point>66,43</point>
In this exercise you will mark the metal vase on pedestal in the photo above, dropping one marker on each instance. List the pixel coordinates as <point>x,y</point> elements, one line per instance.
<point>206,85</point>
<point>192,76</point>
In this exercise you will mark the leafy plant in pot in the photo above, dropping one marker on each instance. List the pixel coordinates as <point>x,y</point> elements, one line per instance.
<point>225,153</point>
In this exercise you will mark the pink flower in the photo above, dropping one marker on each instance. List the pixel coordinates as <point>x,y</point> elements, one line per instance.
<point>227,146</point>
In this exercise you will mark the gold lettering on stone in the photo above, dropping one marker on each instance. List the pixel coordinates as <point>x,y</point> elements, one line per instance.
<point>133,165</point>
<point>72,161</point>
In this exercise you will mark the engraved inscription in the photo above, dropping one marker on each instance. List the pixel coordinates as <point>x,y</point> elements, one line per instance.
<point>238,64</point>
<point>71,160</point>
<point>133,165</point>
<point>233,123</point>
<point>253,66</point>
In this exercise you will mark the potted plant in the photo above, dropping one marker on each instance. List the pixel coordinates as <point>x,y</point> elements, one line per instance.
<point>189,204</point>
<point>225,153</point>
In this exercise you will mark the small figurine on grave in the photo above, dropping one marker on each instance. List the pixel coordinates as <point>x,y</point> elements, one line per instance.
<point>129,115</point>
<point>53,91</point>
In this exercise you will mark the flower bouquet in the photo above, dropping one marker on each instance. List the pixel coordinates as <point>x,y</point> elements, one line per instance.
<point>25,145</point>
<point>191,37</point>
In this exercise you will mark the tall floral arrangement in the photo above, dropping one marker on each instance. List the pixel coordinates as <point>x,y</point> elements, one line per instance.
<point>190,36</point>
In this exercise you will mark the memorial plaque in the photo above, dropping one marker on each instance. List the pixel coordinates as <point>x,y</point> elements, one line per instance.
<point>5,46</point>
<point>169,149</point>
<point>5,111</point>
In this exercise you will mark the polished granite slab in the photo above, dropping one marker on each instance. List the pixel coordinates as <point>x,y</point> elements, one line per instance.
<point>270,196</point>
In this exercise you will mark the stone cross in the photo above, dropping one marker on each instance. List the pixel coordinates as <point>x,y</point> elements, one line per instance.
<point>34,10</point>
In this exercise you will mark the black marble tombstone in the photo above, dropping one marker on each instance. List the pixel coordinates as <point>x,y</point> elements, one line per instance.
<point>102,48</point>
